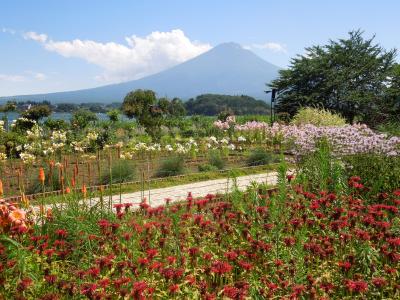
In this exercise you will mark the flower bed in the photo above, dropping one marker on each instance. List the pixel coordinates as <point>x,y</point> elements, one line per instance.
<point>294,244</point>
<point>303,139</point>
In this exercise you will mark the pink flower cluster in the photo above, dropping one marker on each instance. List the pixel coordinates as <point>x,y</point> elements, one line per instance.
<point>225,125</point>
<point>345,140</point>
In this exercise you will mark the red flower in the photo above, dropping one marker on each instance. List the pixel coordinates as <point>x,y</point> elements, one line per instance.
<point>357,286</point>
<point>143,261</point>
<point>289,241</point>
<point>290,177</point>
<point>193,251</point>
<point>24,284</point>
<point>174,288</point>
<point>87,289</point>
<point>138,288</point>
<point>62,233</point>
<point>220,267</point>
<point>151,253</point>
<point>397,193</point>
<point>231,292</point>
<point>378,282</point>
<point>346,265</point>
<point>50,279</point>
<point>245,265</point>
<point>231,255</point>
<point>171,259</point>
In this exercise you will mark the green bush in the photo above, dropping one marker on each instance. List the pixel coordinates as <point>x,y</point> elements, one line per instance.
<point>321,171</point>
<point>392,128</point>
<point>171,167</point>
<point>207,168</point>
<point>121,171</point>
<point>317,117</point>
<point>259,157</point>
<point>215,159</point>
<point>379,173</point>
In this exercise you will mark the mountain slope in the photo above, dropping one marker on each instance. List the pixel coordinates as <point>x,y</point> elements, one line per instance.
<point>225,69</point>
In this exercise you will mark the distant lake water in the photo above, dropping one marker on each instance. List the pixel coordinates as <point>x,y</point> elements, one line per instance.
<point>57,115</point>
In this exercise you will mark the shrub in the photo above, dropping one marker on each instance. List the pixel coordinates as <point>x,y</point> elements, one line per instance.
<point>207,168</point>
<point>392,128</point>
<point>321,170</point>
<point>317,117</point>
<point>121,171</point>
<point>215,159</point>
<point>171,167</point>
<point>378,172</point>
<point>259,157</point>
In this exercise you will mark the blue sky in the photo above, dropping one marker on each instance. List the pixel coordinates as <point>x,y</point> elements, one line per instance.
<point>49,46</point>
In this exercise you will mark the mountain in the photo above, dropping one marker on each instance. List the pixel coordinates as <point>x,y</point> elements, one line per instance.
<point>225,69</point>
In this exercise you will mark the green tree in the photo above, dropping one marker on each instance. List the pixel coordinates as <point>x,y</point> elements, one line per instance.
<point>10,106</point>
<point>390,106</point>
<point>83,118</point>
<point>214,104</point>
<point>113,115</point>
<point>346,76</point>
<point>37,112</point>
<point>177,108</point>
<point>142,105</point>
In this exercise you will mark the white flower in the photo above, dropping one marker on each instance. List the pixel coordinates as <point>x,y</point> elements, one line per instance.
<point>225,141</point>
<point>231,147</point>
<point>27,158</point>
<point>213,139</point>
<point>92,136</point>
<point>169,148</point>
<point>241,139</point>
<point>3,156</point>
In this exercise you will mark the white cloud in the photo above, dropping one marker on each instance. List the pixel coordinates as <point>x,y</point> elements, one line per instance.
<point>12,78</point>
<point>8,30</point>
<point>27,76</point>
<point>275,47</point>
<point>31,35</point>
<point>40,76</point>
<point>139,57</point>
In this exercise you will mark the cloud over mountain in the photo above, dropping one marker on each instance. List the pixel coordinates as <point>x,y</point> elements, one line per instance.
<point>139,57</point>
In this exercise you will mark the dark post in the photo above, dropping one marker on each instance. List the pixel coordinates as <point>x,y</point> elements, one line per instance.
<point>273,95</point>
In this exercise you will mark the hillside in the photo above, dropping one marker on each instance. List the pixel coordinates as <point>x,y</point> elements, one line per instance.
<point>212,104</point>
<point>225,69</point>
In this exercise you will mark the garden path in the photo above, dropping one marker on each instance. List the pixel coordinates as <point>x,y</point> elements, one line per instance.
<point>156,197</point>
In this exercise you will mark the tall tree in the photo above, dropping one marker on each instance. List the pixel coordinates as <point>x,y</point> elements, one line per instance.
<point>347,76</point>
<point>142,105</point>
<point>37,112</point>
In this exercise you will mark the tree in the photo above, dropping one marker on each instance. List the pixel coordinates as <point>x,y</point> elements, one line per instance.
<point>113,115</point>
<point>177,108</point>
<point>10,106</point>
<point>83,118</point>
<point>142,105</point>
<point>37,112</point>
<point>214,104</point>
<point>346,76</point>
<point>390,106</point>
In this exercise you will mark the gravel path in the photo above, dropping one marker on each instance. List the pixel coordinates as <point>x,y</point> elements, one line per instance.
<point>156,197</point>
